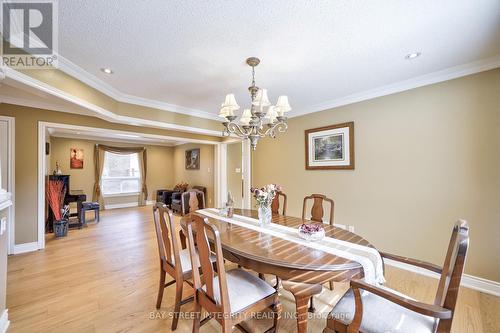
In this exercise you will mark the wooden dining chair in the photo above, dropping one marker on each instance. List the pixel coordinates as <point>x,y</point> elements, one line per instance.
<point>383,309</point>
<point>317,211</point>
<point>173,261</point>
<point>229,297</point>
<point>275,205</point>
<point>317,215</point>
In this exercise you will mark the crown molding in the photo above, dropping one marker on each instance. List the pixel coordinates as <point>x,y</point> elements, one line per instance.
<point>435,77</point>
<point>416,82</point>
<point>98,111</point>
<point>93,81</point>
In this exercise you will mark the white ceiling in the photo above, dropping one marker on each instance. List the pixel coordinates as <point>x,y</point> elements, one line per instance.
<point>115,136</point>
<point>191,53</point>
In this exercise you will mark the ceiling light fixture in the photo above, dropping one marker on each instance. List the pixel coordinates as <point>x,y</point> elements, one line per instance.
<point>255,123</point>
<point>107,70</point>
<point>413,55</point>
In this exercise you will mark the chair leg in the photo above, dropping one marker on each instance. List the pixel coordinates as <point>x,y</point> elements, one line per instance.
<point>197,316</point>
<point>177,305</point>
<point>161,288</point>
<point>331,285</point>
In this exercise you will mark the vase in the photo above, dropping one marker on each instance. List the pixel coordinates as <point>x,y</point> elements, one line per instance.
<point>265,215</point>
<point>61,228</point>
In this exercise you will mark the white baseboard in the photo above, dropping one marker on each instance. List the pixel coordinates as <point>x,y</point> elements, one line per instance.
<point>25,247</point>
<point>468,281</point>
<point>4,321</point>
<point>122,205</point>
<point>150,202</point>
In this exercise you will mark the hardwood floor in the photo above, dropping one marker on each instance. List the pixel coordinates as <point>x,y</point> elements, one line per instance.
<point>104,278</point>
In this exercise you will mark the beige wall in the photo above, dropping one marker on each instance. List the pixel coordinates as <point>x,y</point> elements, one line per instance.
<point>424,158</point>
<point>160,159</point>
<point>202,177</point>
<point>234,184</point>
<point>27,157</point>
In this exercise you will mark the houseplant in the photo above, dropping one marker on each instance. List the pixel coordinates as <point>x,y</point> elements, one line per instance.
<point>264,197</point>
<point>55,193</point>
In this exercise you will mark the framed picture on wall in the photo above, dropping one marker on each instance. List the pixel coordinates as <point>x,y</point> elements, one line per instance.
<point>76,158</point>
<point>330,147</point>
<point>193,159</point>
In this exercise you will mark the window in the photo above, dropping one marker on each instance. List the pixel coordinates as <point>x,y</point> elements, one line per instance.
<point>120,174</point>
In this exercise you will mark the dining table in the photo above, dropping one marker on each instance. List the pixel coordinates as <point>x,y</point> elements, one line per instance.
<point>302,269</point>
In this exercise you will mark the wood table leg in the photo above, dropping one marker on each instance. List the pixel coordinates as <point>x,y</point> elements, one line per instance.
<point>302,292</point>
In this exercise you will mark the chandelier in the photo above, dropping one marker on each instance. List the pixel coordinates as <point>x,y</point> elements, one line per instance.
<point>261,119</point>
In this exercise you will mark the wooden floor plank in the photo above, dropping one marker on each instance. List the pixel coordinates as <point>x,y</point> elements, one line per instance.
<point>104,278</point>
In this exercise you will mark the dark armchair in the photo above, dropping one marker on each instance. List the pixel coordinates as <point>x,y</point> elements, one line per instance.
<point>164,196</point>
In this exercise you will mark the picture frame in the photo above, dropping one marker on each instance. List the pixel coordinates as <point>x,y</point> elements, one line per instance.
<point>330,147</point>
<point>193,159</point>
<point>76,158</point>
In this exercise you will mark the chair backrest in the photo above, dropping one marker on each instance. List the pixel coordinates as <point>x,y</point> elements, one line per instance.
<point>200,198</point>
<point>453,268</point>
<point>275,205</point>
<point>168,246</point>
<point>317,212</point>
<point>199,249</point>
<point>201,188</point>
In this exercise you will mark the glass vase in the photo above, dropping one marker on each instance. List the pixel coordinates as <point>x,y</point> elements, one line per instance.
<point>265,215</point>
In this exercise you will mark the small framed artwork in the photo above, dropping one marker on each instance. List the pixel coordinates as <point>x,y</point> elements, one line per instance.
<point>76,158</point>
<point>330,147</point>
<point>193,159</point>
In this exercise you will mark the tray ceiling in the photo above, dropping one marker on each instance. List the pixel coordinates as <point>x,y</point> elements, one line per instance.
<point>189,54</point>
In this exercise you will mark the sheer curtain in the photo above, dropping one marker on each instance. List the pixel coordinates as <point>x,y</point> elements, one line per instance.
<point>99,163</point>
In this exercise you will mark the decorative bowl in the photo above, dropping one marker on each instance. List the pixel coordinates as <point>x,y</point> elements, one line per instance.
<point>311,232</point>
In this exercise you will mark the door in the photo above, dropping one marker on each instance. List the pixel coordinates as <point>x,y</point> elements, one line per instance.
<point>234,171</point>
<point>6,173</point>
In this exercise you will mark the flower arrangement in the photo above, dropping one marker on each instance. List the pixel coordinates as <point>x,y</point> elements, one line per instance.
<point>181,187</point>
<point>311,231</point>
<point>265,195</point>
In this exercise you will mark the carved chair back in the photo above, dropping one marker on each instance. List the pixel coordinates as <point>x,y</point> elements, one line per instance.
<point>275,205</point>
<point>187,206</point>
<point>451,275</point>
<point>168,246</point>
<point>200,251</point>
<point>317,211</point>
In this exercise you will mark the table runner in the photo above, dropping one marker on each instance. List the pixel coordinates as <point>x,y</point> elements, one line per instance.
<point>368,257</point>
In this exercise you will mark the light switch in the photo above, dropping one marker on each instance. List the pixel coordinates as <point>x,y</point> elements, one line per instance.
<point>237,170</point>
<point>208,170</point>
<point>3,225</point>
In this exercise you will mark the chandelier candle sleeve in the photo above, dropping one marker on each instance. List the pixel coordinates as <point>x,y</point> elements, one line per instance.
<point>261,120</point>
